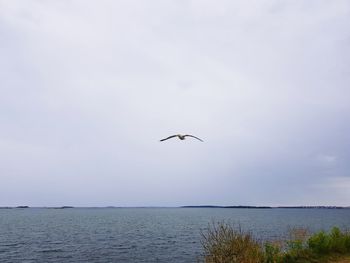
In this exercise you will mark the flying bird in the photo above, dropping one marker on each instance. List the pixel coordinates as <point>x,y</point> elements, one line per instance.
<point>181,137</point>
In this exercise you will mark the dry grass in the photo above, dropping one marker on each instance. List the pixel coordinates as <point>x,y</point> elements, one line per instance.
<point>299,234</point>
<point>226,243</point>
<point>343,260</point>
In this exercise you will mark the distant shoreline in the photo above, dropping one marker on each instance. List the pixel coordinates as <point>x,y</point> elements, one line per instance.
<point>269,207</point>
<point>187,206</point>
<point>231,206</point>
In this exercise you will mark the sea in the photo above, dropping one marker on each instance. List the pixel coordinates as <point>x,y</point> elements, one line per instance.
<point>141,234</point>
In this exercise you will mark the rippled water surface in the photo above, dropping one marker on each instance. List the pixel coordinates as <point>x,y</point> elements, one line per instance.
<point>138,234</point>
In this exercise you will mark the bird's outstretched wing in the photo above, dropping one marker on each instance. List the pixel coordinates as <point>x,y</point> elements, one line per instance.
<point>172,136</point>
<point>189,135</point>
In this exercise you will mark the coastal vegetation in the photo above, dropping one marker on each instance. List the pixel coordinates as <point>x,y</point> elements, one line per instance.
<point>223,242</point>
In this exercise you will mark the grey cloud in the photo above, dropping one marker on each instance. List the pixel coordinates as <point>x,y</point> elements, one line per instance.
<point>88,89</point>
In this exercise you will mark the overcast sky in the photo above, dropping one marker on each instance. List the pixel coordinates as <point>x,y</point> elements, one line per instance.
<point>88,88</point>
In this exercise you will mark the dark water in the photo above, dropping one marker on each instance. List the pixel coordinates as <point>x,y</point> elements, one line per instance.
<point>138,234</point>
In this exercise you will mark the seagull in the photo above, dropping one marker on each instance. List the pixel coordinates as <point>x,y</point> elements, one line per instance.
<point>181,137</point>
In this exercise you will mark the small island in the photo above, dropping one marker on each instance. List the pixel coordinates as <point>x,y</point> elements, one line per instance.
<point>64,207</point>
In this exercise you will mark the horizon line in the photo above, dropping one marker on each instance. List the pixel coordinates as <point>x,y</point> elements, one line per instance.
<point>184,206</point>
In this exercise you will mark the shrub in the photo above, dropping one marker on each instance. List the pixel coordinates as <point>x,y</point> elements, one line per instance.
<point>319,243</point>
<point>337,241</point>
<point>347,241</point>
<point>273,253</point>
<point>296,248</point>
<point>225,243</point>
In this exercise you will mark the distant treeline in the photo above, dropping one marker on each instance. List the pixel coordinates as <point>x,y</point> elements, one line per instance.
<point>198,206</point>
<point>25,206</point>
<point>231,206</point>
<point>266,207</point>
